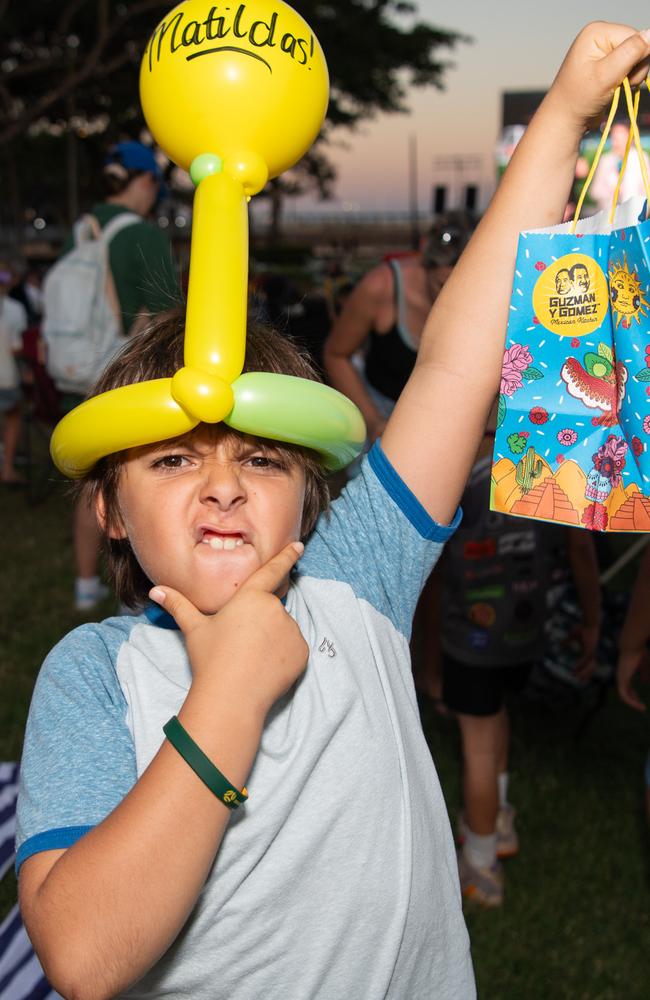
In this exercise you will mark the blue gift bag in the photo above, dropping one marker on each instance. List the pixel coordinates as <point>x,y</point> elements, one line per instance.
<point>573,426</point>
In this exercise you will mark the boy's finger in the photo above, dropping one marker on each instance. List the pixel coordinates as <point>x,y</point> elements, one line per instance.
<point>630,53</point>
<point>269,576</point>
<point>629,696</point>
<point>182,611</point>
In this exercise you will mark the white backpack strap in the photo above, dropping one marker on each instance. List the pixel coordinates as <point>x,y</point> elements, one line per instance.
<point>117,224</point>
<point>86,228</point>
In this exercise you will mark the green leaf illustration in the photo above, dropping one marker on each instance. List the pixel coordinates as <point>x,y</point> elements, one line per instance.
<point>517,443</point>
<point>643,375</point>
<point>531,374</point>
<point>606,352</point>
<point>501,411</point>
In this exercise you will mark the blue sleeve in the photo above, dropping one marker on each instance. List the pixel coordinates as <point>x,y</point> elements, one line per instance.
<point>78,759</point>
<point>378,538</point>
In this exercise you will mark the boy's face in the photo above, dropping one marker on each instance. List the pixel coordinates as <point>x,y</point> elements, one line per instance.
<point>203,512</point>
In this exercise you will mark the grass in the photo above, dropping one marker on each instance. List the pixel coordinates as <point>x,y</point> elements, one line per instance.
<point>576,923</point>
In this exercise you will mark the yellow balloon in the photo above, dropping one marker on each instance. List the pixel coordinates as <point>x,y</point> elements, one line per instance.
<point>235,95</point>
<point>248,78</point>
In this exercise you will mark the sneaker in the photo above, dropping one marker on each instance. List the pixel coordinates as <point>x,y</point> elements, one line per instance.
<point>88,594</point>
<point>507,839</point>
<point>483,886</point>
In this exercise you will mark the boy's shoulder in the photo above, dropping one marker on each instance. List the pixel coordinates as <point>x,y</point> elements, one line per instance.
<point>90,646</point>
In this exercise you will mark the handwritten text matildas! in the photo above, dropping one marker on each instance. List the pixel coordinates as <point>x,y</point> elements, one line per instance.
<point>181,33</point>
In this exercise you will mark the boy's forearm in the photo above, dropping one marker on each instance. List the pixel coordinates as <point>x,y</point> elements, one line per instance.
<point>114,902</point>
<point>636,628</point>
<point>584,569</point>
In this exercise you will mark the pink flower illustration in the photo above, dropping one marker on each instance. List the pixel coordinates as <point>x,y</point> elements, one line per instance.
<point>535,321</point>
<point>540,266</point>
<point>559,459</point>
<point>610,459</point>
<point>595,517</point>
<point>646,424</point>
<point>637,446</point>
<point>516,359</point>
<point>538,415</point>
<point>567,437</point>
<point>575,342</point>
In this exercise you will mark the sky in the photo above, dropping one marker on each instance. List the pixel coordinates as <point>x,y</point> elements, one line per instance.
<point>518,45</point>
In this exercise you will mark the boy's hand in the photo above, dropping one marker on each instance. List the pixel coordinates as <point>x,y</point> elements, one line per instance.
<point>629,662</point>
<point>251,651</point>
<point>595,65</point>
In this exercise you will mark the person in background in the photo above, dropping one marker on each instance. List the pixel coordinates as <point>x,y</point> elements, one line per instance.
<point>13,321</point>
<point>605,179</point>
<point>633,650</point>
<point>493,578</point>
<point>145,281</point>
<point>385,315</point>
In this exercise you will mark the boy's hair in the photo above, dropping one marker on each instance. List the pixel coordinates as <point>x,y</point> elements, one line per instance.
<point>156,353</point>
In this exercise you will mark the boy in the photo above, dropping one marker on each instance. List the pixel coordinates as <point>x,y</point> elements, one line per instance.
<point>494,577</point>
<point>337,878</point>
<point>633,651</point>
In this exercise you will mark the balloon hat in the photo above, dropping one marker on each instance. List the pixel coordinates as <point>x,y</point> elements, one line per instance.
<point>235,95</point>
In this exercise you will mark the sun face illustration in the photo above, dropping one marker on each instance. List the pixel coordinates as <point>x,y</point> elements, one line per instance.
<point>626,294</point>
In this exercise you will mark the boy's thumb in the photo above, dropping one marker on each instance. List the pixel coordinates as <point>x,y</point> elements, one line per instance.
<point>182,611</point>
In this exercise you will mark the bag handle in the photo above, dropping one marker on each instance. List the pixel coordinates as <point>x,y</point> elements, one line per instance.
<point>632,110</point>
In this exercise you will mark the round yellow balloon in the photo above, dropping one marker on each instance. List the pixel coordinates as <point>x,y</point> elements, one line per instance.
<point>235,80</point>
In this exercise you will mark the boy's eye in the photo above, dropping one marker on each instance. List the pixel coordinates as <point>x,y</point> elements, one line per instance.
<point>170,462</point>
<point>265,462</point>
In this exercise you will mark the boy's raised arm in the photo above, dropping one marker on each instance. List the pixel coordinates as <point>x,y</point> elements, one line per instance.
<point>433,434</point>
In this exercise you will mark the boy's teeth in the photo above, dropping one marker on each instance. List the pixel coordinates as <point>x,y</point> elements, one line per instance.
<point>229,544</point>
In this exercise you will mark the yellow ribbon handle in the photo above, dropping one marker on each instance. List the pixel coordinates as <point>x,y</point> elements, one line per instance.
<point>632,110</point>
<point>601,145</point>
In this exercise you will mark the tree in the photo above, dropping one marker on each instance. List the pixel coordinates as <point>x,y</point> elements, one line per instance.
<point>70,69</point>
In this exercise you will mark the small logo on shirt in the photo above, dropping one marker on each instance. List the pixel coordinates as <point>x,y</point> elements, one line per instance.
<point>327,647</point>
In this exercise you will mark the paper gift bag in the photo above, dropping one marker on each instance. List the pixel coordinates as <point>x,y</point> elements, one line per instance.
<point>573,426</point>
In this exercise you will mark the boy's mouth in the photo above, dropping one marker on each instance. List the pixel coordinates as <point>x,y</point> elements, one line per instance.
<point>221,540</point>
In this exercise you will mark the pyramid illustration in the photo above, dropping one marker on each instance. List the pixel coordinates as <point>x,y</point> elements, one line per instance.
<point>634,515</point>
<point>547,501</point>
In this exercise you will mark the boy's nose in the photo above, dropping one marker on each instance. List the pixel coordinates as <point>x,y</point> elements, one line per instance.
<point>222,485</point>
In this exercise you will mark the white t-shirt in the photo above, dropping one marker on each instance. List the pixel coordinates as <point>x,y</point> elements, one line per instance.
<point>13,320</point>
<point>338,878</point>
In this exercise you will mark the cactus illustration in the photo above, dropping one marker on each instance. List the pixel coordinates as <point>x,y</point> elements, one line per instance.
<point>528,470</point>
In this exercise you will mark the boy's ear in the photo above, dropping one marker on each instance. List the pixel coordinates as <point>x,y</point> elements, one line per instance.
<point>114,530</point>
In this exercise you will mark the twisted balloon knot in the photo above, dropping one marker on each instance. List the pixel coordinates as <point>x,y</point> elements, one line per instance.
<point>207,398</point>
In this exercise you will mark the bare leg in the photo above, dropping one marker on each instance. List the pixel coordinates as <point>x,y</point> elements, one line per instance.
<point>484,739</point>
<point>87,539</point>
<point>10,438</point>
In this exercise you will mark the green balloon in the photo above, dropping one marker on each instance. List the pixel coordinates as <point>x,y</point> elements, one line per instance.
<point>298,411</point>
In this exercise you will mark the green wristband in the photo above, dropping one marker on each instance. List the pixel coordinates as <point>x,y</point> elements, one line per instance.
<point>210,775</point>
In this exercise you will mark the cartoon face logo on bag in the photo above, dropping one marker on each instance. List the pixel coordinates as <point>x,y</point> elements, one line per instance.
<point>571,296</point>
<point>626,294</point>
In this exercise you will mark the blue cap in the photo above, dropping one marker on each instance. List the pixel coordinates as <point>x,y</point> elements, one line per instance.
<point>135,156</point>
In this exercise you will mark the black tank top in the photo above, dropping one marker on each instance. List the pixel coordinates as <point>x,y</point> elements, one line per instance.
<point>391,356</point>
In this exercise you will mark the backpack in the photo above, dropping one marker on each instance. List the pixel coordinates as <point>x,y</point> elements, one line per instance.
<point>82,324</point>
